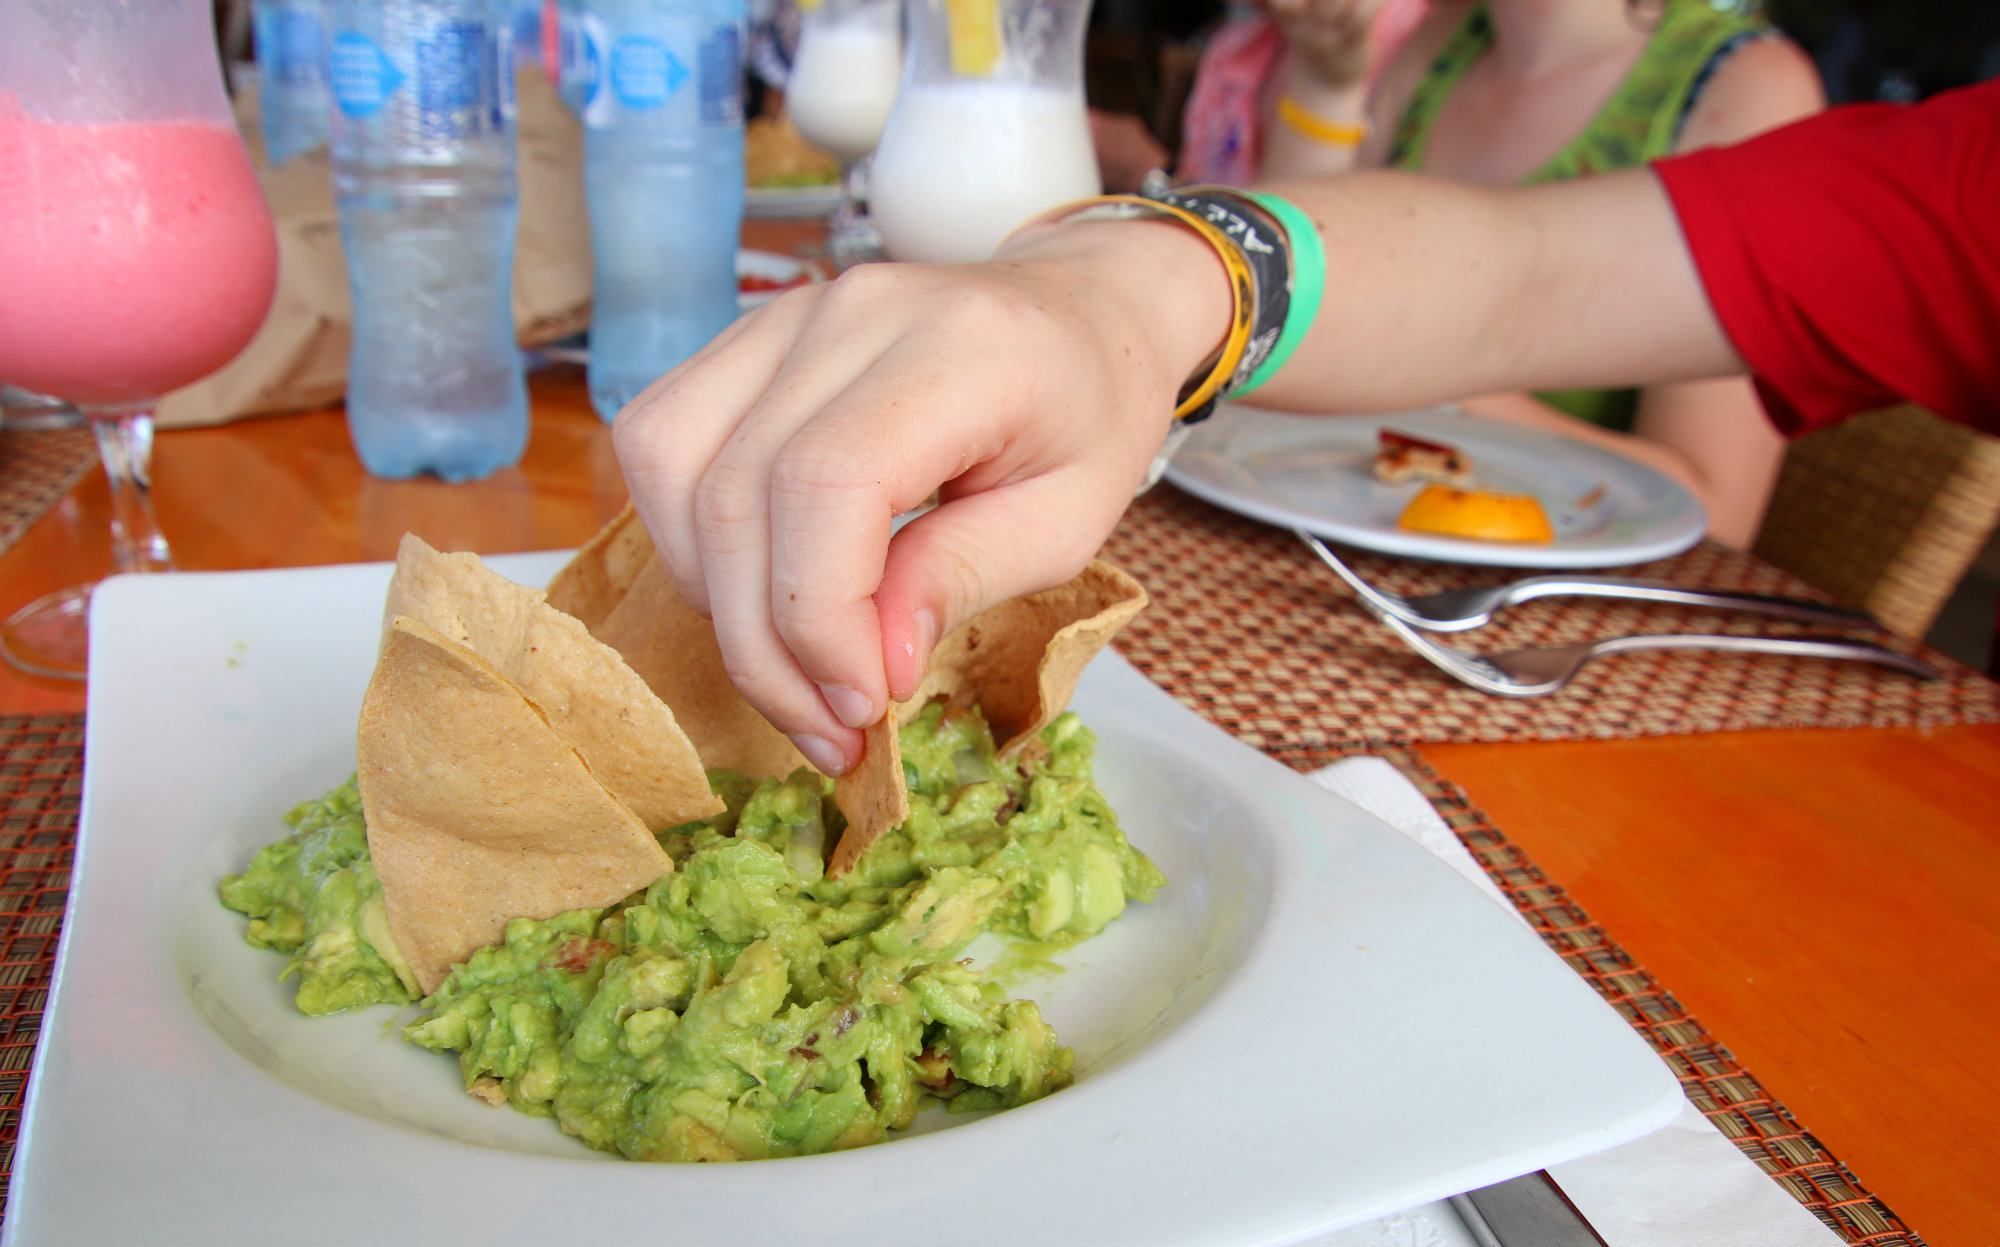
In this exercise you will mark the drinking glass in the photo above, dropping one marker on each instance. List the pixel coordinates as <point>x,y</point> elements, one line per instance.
<point>842,87</point>
<point>989,126</point>
<point>136,251</point>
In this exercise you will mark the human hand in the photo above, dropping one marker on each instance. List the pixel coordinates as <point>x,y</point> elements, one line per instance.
<point>1030,393</point>
<point>1331,41</point>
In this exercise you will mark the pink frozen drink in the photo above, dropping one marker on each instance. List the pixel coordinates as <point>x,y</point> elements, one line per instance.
<point>135,257</point>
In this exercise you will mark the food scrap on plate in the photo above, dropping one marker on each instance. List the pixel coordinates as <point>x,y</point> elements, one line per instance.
<point>1448,504</point>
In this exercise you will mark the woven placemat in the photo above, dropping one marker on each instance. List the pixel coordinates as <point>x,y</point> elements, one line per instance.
<point>41,780</point>
<point>1251,630</point>
<point>37,467</point>
<point>41,783</point>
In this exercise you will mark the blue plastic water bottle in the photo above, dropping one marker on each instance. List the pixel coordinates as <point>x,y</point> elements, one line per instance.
<point>663,172</point>
<point>576,66</point>
<point>423,173</point>
<point>525,17</point>
<point>291,76</point>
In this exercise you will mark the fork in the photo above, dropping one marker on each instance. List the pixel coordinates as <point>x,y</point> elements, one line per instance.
<point>1460,610</point>
<point>1540,671</point>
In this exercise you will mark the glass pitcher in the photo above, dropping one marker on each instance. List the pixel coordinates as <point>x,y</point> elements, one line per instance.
<point>136,252</point>
<point>989,126</point>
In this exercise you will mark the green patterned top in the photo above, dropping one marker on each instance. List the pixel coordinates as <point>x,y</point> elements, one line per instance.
<point>1638,124</point>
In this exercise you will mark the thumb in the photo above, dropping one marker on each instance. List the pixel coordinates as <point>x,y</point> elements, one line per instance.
<point>978,551</point>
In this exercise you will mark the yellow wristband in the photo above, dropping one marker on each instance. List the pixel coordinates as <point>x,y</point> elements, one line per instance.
<point>1319,129</point>
<point>1242,286</point>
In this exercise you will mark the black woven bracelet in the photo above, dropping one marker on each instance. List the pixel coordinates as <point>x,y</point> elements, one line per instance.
<point>1263,243</point>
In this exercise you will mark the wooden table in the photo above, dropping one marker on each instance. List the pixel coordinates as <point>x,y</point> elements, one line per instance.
<point>1828,902</point>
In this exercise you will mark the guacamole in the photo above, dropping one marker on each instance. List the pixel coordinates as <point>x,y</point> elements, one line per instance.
<point>746,1006</point>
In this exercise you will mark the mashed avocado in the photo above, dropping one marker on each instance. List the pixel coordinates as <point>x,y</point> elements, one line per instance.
<point>314,895</point>
<point>746,1006</point>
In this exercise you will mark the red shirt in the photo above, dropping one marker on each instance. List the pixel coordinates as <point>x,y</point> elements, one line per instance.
<point>1854,258</point>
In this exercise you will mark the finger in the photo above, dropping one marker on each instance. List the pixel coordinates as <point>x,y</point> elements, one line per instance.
<point>978,551</point>
<point>667,437</point>
<point>732,524</point>
<point>835,488</point>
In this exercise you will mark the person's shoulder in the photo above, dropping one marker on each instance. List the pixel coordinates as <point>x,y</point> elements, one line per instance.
<point>1760,86</point>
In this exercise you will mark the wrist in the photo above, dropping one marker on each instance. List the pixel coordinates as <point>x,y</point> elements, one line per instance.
<point>1157,282</point>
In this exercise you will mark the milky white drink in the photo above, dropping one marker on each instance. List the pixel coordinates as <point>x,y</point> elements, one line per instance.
<point>965,162</point>
<point>844,84</point>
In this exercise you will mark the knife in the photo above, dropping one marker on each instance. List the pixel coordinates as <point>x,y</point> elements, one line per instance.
<point>1528,1211</point>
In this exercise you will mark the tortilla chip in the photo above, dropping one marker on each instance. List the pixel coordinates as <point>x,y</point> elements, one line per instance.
<point>1018,661</point>
<point>873,797</point>
<point>673,648</point>
<point>479,811</point>
<point>627,736</point>
<point>618,587</point>
<point>591,585</point>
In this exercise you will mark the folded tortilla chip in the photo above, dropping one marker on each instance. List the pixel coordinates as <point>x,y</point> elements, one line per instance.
<point>873,797</point>
<point>1018,661</point>
<point>478,810</point>
<point>629,737</point>
<point>618,587</point>
<point>591,585</point>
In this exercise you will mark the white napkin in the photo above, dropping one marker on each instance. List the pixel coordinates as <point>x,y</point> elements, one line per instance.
<point>1683,1186</point>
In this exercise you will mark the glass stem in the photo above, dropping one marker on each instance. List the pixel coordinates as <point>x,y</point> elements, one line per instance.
<point>851,236</point>
<point>125,444</point>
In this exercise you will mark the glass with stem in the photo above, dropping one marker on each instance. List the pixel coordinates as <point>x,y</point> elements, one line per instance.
<point>136,250</point>
<point>842,88</point>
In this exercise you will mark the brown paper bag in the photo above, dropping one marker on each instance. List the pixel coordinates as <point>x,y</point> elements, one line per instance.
<point>298,360</point>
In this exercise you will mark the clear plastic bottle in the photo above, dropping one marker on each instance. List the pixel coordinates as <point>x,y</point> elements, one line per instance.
<point>291,76</point>
<point>423,169</point>
<point>663,172</point>
<point>570,52</point>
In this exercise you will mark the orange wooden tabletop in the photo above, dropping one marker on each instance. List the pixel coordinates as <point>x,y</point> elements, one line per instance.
<point>1827,902</point>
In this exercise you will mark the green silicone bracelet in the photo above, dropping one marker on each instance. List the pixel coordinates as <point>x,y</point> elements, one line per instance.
<point>1308,284</point>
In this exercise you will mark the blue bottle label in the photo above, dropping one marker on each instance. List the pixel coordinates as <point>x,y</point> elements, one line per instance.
<point>457,80</point>
<point>722,77</point>
<point>458,74</point>
<point>290,45</point>
<point>578,61</point>
<point>673,68</point>
<point>361,75</point>
<point>645,73</point>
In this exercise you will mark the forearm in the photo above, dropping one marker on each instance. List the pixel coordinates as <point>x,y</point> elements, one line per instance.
<point>1436,290</point>
<point>1433,290</point>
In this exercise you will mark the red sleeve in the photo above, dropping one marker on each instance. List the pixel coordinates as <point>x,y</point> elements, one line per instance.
<point>1854,258</point>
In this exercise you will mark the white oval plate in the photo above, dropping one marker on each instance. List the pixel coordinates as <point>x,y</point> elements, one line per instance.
<point>1316,1024</point>
<point>1313,472</point>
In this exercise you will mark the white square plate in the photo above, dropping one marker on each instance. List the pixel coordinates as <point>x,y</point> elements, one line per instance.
<point>1316,1023</point>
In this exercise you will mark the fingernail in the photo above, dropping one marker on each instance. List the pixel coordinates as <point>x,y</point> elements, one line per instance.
<point>848,705</point>
<point>821,752</point>
<point>927,633</point>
